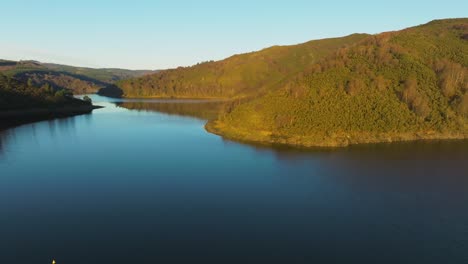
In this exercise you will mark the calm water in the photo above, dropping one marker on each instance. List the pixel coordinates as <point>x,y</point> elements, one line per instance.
<point>133,186</point>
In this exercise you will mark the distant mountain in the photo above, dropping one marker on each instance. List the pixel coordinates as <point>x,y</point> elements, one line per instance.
<point>79,80</point>
<point>405,85</point>
<point>238,76</point>
<point>106,75</point>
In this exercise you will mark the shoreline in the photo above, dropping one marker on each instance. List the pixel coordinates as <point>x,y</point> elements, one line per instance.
<point>168,97</point>
<point>265,138</point>
<point>178,97</point>
<point>13,118</point>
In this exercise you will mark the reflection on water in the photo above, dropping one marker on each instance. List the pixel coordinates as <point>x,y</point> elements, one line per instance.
<point>201,110</point>
<point>3,138</point>
<point>197,108</point>
<point>133,186</point>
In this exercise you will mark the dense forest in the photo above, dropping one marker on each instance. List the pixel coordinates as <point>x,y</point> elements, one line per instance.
<point>22,102</point>
<point>405,85</point>
<point>17,95</point>
<point>78,80</point>
<point>238,76</point>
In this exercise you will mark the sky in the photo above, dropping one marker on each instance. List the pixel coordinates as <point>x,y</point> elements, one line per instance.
<point>157,34</point>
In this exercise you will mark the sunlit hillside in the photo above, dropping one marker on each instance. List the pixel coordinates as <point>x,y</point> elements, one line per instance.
<point>410,84</point>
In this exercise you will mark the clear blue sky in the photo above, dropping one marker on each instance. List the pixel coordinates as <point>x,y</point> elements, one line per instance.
<point>159,34</point>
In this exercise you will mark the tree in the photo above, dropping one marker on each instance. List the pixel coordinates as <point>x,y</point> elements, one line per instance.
<point>410,91</point>
<point>87,99</point>
<point>451,77</point>
<point>354,86</point>
<point>63,93</point>
<point>46,88</point>
<point>463,106</point>
<point>380,83</point>
<point>421,107</point>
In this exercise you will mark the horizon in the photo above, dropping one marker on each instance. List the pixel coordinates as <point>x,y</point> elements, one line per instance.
<point>138,42</point>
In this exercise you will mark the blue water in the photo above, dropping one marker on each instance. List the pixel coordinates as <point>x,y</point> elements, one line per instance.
<point>127,186</point>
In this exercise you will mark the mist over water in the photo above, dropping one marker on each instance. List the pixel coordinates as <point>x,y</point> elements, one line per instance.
<point>150,185</point>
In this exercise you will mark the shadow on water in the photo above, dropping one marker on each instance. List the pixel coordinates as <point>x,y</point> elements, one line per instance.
<point>54,127</point>
<point>410,166</point>
<point>4,137</point>
<point>412,150</point>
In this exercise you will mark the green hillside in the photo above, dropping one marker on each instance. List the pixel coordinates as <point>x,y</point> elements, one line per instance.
<point>405,85</point>
<point>238,76</point>
<point>79,80</point>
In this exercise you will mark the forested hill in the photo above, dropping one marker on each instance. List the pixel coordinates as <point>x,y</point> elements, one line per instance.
<point>21,103</point>
<point>238,76</point>
<point>404,85</point>
<point>107,75</point>
<point>17,95</point>
<point>79,80</point>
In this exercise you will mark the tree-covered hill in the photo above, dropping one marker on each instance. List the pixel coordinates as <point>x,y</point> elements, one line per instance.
<point>21,102</point>
<point>17,95</point>
<point>404,85</point>
<point>79,80</point>
<point>238,76</point>
<point>106,75</point>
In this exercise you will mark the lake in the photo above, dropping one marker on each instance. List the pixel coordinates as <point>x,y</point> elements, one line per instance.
<point>141,181</point>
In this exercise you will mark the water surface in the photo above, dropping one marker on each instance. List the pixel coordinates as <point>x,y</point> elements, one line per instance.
<point>149,185</point>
